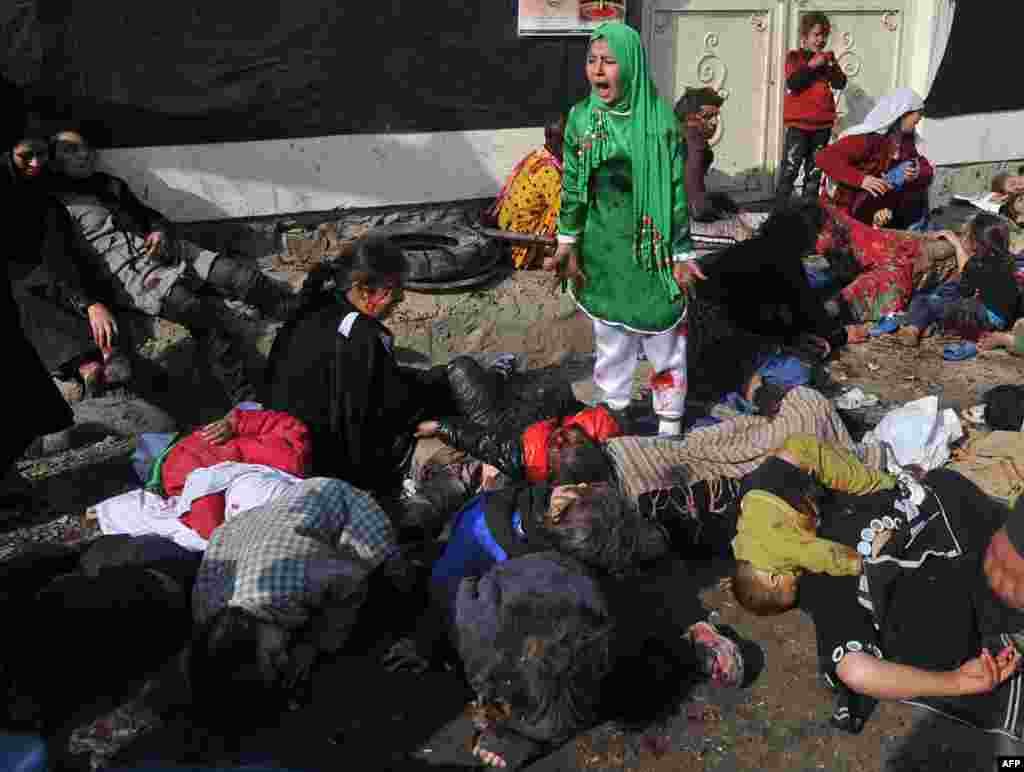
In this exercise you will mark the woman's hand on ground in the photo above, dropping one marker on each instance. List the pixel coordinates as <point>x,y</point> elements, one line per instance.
<point>427,429</point>
<point>154,244</point>
<point>685,272</point>
<point>856,333</point>
<point>880,540</point>
<point>985,672</point>
<point>882,218</point>
<point>220,431</point>
<point>103,325</point>
<point>489,477</point>
<point>743,231</point>
<point>876,186</point>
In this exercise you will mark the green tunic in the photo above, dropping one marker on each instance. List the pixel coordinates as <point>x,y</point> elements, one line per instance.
<point>618,289</point>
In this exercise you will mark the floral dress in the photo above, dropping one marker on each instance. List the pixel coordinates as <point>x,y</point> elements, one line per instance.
<point>530,201</point>
<point>891,261</point>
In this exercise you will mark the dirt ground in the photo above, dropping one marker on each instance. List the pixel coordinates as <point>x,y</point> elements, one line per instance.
<point>363,718</point>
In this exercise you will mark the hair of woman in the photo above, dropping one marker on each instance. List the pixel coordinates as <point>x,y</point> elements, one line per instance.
<point>375,262</point>
<point>991,236</point>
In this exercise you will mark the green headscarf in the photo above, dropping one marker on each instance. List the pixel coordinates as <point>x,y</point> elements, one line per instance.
<point>653,132</point>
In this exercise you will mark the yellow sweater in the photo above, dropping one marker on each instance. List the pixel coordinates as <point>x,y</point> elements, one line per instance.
<point>773,536</point>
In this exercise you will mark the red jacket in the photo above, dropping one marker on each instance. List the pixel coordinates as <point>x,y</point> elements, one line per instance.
<point>808,102</point>
<point>262,437</point>
<point>846,163</point>
<point>597,422</point>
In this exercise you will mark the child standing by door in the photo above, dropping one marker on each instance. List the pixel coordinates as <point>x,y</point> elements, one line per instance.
<point>808,108</point>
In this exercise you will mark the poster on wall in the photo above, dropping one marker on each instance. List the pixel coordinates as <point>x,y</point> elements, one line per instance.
<point>567,17</point>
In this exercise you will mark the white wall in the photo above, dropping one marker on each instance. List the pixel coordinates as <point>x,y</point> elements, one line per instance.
<point>980,138</point>
<point>249,179</point>
<point>965,139</point>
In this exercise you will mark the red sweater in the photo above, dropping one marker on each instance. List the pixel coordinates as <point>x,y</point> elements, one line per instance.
<point>849,160</point>
<point>262,437</point>
<point>808,103</point>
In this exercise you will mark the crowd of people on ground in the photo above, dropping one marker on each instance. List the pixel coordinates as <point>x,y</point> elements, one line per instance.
<point>252,549</point>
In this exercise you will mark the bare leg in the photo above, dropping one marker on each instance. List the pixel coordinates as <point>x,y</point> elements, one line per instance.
<point>909,335</point>
<point>994,340</point>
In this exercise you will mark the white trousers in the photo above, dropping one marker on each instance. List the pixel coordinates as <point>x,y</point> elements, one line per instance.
<point>617,350</point>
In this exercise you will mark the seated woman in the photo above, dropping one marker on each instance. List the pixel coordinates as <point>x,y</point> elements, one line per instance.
<point>277,588</point>
<point>983,297</point>
<point>334,369</point>
<point>134,257</point>
<point>715,219</point>
<point>874,168</point>
<point>766,271</point>
<point>66,323</point>
<point>531,197</point>
<point>909,624</point>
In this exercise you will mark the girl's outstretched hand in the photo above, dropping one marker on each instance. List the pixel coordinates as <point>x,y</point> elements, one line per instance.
<point>685,272</point>
<point>567,264</point>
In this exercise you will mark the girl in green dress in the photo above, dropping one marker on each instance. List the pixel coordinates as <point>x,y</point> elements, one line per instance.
<point>623,232</point>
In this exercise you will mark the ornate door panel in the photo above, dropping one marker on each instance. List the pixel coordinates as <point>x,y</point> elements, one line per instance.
<point>730,45</point>
<point>866,37</point>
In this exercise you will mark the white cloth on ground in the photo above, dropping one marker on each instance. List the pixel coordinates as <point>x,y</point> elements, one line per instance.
<point>139,512</point>
<point>245,486</point>
<point>917,433</point>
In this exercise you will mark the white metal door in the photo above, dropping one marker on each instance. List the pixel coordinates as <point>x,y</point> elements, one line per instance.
<point>867,40</point>
<point>732,46</point>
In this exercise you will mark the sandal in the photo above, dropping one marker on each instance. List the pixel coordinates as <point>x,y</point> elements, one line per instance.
<point>721,658</point>
<point>886,326</point>
<point>959,352</point>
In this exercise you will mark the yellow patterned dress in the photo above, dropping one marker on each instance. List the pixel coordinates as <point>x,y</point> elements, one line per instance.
<point>530,202</point>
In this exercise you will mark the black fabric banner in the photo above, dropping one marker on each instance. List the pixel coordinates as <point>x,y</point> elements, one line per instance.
<point>195,71</point>
<point>973,76</point>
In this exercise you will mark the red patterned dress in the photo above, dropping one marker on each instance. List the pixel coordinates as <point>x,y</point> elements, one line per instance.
<point>892,260</point>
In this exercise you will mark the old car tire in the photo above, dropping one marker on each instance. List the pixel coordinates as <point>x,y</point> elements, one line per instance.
<point>440,254</point>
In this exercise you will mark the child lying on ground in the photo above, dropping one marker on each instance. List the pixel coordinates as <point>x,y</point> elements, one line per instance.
<point>277,587</point>
<point>776,539</point>
<point>984,298</point>
<point>911,623</point>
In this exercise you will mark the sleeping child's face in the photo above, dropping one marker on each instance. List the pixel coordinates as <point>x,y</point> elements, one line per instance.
<point>763,592</point>
<point>782,586</point>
